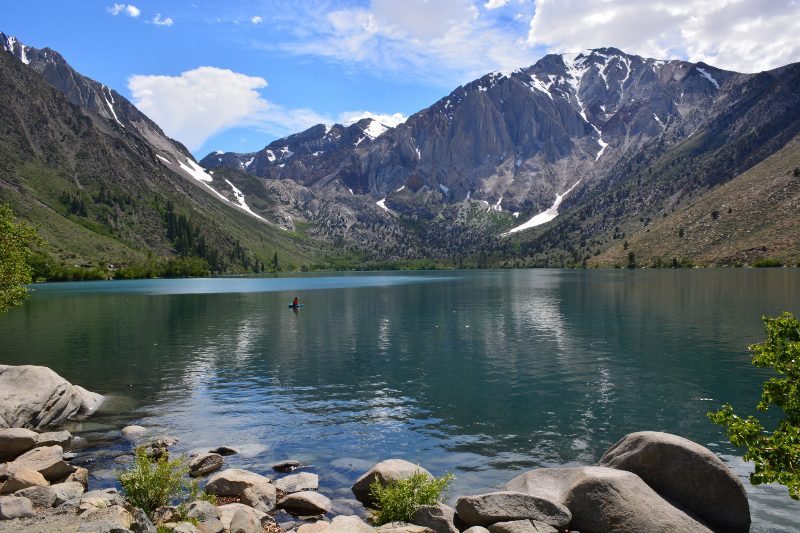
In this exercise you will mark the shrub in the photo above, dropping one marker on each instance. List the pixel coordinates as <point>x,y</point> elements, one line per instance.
<point>397,501</point>
<point>152,484</point>
<point>767,263</point>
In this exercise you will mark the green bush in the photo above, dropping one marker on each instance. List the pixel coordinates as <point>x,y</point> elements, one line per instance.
<point>397,501</point>
<point>152,484</point>
<point>767,263</point>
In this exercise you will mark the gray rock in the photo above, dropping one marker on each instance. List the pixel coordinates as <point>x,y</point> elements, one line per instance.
<point>202,511</point>
<point>605,499</point>
<point>205,463</point>
<point>101,526</point>
<point>66,491</point>
<point>227,512</point>
<point>47,460</point>
<point>35,397</point>
<point>15,441</point>
<point>100,498</point>
<point>80,475</point>
<point>384,472</point>
<point>20,478</point>
<point>487,509</point>
<point>133,432</point>
<point>476,529</point>
<point>113,513</point>
<point>182,527</point>
<point>212,526</point>
<point>685,473</point>
<point>262,497</point>
<point>320,526</point>
<point>403,527</point>
<point>290,465</point>
<point>141,523</point>
<point>348,524</point>
<point>51,438</point>
<point>15,507</point>
<point>234,481</point>
<point>224,450</point>
<point>42,497</point>
<point>437,517</point>
<point>298,482</point>
<point>166,514</point>
<point>305,503</point>
<point>245,521</point>
<point>522,526</point>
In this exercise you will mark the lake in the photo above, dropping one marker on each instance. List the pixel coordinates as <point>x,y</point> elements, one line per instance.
<point>481,373</point>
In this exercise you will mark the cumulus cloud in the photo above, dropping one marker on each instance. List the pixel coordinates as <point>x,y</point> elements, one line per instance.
<point>446,41</point>
<point>128,9</point>
<point>740,35</point>
<point>158,21</point>
<point>256,20</point>
<point>202,102</point>
<point>494,4</point>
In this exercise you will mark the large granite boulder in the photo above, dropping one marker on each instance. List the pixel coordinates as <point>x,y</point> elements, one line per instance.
<point>16,441</point>
<point>262,497</point>
<point>305,503</point>
<point>384,472</point>
<point>487,509</point>
<point>228,512</point>
<point>234,481</point>
<point>439,517</point>
<point>606,499</point>
<point>21,478</point>
<point>47,460</point>
<point>35,397</point>
<point>522,526</point>
<point>298,482</point>
<point>12,507</point>
<point>685,473</point>
<point>43,497</point>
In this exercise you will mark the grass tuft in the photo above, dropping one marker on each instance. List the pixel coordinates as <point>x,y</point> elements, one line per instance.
<point>397,501</point>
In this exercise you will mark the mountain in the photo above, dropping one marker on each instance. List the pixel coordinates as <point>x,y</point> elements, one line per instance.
<point>629,138</point>
<point>106,186</point>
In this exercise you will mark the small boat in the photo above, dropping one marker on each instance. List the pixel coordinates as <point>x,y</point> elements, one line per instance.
<point>292,306</point>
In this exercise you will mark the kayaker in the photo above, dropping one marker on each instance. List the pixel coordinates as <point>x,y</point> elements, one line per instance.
<point>296,302</point>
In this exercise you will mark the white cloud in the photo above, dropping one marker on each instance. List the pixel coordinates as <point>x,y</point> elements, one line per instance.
<point>740,35</point>
<point>158,21</point>
<point>494,4</point>
<point>128,9</point>
<point>202,102</point>
<point>256,20</point>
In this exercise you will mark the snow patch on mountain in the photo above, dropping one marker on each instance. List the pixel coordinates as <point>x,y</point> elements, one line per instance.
<point>240,200</point>
<point>111,103</point>
<point>545,216</point>
<point>708,76</point>
<point>378,124</point>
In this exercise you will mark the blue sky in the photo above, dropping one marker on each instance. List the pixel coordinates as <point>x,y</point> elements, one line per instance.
<point>235,75</point>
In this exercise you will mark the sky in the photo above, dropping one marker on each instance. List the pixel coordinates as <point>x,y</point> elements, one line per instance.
<point>235,75</point>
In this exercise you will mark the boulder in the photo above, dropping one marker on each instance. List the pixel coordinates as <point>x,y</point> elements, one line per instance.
<point>522,526</point>
<point>439,517</point>
<point>289,465</point>
<point>403,527</point>
<point>47,460</point>
<point>66,491</point>
<point>384,472</point>
<point>319,526</point>
<point>348,524</point>
<point>202,511</point>
<point>211,526</point>
<point>12,507</point>
<point>182,527</point>
<point>42,497</point>
<point>133,432</point>
<point>234,481</point>
<point>298,482</point>
<point>605,499</point>
<point>227,512</point>
<point>15,441</point>
<point>685,473</point>
<point>141,522</point>
<point>35,397</point>
<point>224,450</point>
<point>80,475</point>
<point>99,499</point>
<point>51,438</point>
<point>487,509</point>
<point>101,526</point>
<point>245,521</point>
<point>205,463</point>
<point>262,497</point>
<point>166,514</point>
<point>20,478</point>
<point>116,514</point>
<point>476,529</point>
<point>305,503</point>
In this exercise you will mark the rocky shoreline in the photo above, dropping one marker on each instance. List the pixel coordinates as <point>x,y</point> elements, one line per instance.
<point>647,482</point>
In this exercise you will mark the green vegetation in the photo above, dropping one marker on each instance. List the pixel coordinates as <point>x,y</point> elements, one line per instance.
<point>398,500</point>
<point>152,484</point>
<point>16,239</point>
<point>776,455</point>
<point>767,263</point>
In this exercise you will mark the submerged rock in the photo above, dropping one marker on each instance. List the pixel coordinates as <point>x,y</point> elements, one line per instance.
<point>205,463</point>
<point>289,465</point>
<point>384,472</point>
<point>224,450</point>
<point>133,432</point>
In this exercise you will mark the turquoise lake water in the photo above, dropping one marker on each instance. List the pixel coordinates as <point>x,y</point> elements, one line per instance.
<point>484,374</point>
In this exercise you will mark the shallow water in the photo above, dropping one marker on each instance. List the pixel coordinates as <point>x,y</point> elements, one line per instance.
<point>485,374</point>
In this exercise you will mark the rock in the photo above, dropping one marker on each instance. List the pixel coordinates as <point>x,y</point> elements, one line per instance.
<point>35,397</point>
<point>166,514</point>
<point>211,526</point>
<point>476,529</point>
<point>47,460</point>
<point>224,451</point>
<point>202,511</point>
<point>298,482</point>
<point>348,524</point>
<point>245,521</point>
<point>42,497</point>
<point>134,432</point>
<point>100,498</point>
<point>384,472</point>
<point>116,514</point>
<point>522,526</point>
<point>487,509</point>
<point>182,527</point>
<point>605,499</point>
<point>234,481</point>
<point>403,527</point>
<point>205,463</point>
<point>437,517</point>
<point>290,465</point>
<point>101,526</point>
<point>51,438</point>
<point>80,475</point>
<point>305,503</point>
<point>15,441</point>
<point>15,507</point>
<point>227,512</point>
<point>686,474</point>
<point>164,442</point>
<point>317,527</point>
<point>66,491</point>
<point>262,497</point>
<point>141,522</point>
<point>20,478</point>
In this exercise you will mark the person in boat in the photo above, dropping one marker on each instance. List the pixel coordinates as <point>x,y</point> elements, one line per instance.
<point>296,302</point>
